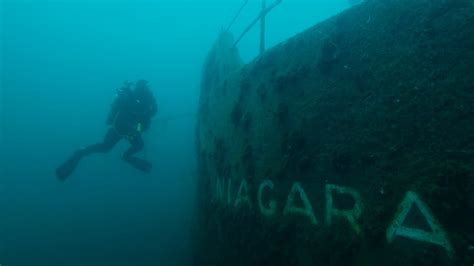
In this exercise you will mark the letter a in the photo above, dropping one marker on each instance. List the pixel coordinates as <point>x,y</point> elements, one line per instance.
<point>243,195</point>
<point>437,235</point>
<point>307,209</point>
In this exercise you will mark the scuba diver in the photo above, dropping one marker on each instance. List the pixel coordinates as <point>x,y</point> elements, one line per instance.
<point>130,115</point>
<point>355,2</point>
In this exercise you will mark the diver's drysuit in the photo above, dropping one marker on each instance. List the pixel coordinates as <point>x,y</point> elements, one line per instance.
<point>130,115</point>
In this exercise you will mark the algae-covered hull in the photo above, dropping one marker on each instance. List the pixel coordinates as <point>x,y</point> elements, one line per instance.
<point>349,144</point>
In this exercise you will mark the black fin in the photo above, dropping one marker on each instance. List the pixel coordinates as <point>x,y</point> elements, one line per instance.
<point>67,168</point>
<point>140,164</point>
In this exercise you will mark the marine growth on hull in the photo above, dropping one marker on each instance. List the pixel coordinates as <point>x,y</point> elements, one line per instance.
<point>351,143</point>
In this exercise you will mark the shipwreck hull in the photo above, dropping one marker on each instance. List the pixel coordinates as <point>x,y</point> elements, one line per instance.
<point>351,143</point>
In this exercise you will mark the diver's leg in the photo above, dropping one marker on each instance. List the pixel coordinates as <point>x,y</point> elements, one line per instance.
<point>68,167</point>
<point>136,146</point>
<point>110,140</point>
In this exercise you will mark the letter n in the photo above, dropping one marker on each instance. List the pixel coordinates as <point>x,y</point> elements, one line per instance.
<point>437,235</point>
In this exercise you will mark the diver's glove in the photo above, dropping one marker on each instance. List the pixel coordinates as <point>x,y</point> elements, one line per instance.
<point>143,126</point>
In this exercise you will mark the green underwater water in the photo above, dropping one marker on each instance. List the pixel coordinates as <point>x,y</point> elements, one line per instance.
<point>349,141</point>
<point>348,144</point>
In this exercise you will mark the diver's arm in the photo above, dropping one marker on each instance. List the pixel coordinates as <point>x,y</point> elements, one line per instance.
<point>152,110</point>
<point>113,111</point>
<point>153,107</point>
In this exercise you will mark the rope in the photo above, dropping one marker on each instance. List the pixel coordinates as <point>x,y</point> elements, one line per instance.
<point>261,15</point>
<point>237,14</point>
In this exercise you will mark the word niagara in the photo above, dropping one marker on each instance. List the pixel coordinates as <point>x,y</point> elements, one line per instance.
<point>269,207</point>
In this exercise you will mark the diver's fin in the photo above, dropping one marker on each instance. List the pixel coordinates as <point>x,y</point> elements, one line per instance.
<point>67,168</point>
<point>140,164</point>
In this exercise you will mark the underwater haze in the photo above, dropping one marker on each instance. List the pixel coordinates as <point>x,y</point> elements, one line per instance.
<point>61,63</point>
